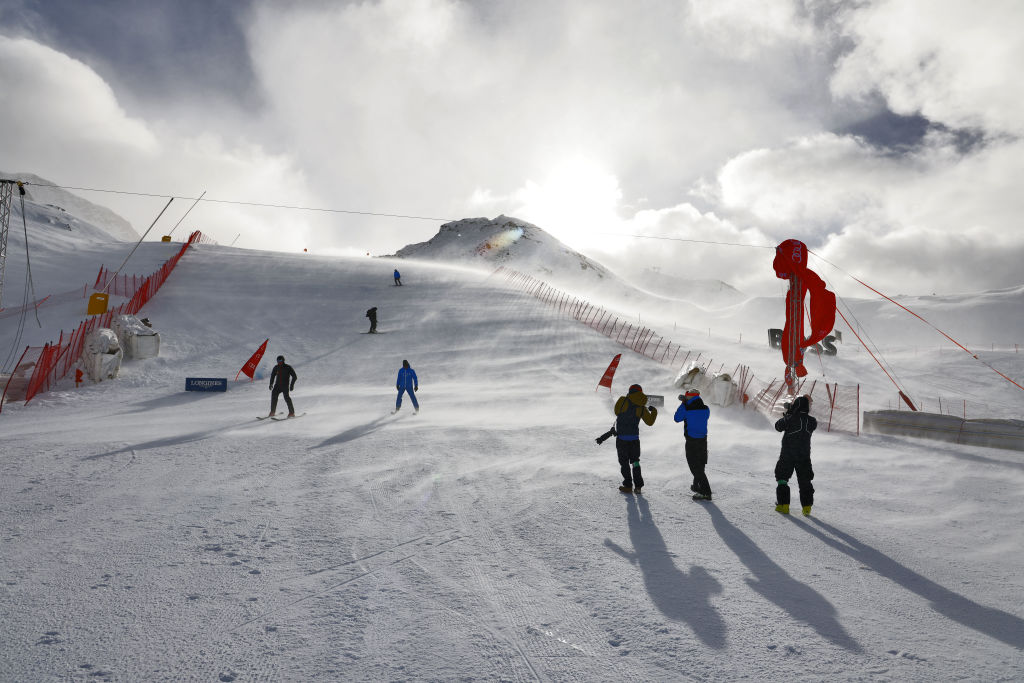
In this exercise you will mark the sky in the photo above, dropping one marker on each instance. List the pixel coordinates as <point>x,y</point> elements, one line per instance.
<point>885,134</point>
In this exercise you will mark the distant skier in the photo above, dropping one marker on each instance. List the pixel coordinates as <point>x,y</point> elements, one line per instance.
<point>629,410</point>
<point>372,315</point>
<point>282,380</point>
<point>796,426</point>
<point>407,382</point>
<point>398,278</point>
<point>694,415</point>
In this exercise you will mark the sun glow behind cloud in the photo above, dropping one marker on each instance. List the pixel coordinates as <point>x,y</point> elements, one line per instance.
<point>577,201</point>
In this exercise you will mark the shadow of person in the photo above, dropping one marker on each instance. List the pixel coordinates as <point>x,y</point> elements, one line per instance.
<point>354,433</point>
<point>995,623</point>
<point>800,601</point>
<point>678,595</point>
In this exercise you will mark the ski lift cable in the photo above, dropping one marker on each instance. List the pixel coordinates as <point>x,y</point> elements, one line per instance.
<point>29,288</point>
<point>244,203</point>
<point>890,299</point>
<point>684,239</point>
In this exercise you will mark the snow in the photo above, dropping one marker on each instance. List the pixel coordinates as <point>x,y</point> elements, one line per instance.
<point>155,534</point>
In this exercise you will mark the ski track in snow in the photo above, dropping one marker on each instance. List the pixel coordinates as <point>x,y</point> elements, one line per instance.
<point>151,534</point>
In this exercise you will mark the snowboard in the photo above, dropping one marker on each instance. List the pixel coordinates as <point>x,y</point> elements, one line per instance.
<point>282,419</point>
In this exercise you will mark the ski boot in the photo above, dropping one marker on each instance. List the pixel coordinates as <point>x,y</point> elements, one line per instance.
<point>783,508</point>
<point>807,510</point>
<point>702,496</point>
<point>626,489</point>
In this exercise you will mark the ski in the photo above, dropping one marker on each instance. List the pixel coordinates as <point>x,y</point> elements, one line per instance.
<point>282,419</point>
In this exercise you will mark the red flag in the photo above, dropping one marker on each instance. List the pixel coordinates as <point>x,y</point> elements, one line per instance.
<point>606,381</point>
<point>250,365</point>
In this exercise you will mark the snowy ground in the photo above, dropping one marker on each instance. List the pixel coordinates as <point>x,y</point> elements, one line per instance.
<point>154,534</point>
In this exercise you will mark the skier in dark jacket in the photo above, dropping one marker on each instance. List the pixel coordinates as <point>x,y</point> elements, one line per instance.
<point>372,315</point>
<point>629,410</point>
<point>694,415</point>
<point>407,382</point>
<point>796,427</point>
<point>282,380</point>
<point>398,278</point>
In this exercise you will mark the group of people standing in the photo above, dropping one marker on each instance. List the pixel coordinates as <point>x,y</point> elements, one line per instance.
<point>796,426</point>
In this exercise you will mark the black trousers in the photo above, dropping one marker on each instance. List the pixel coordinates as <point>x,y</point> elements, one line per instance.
<point>697,459</point>
<point>629,462</point>
<point>287,399</point>
<point>784,469</point>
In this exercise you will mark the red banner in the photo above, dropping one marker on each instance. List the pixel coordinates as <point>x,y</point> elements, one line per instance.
<point>249,369</point>
<point>606,381</point>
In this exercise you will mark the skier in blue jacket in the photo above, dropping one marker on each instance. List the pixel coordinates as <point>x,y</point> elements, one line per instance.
<point>407,381</point>
<point>694,415</point>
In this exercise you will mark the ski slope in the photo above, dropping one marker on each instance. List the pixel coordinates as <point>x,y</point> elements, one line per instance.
<point>154,534</point>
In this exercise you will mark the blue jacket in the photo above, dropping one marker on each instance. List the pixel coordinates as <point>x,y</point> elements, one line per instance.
<point>407,379</point>
<point>694,416</point>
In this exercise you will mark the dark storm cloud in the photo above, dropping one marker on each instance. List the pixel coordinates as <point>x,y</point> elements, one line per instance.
<point>149,51</point>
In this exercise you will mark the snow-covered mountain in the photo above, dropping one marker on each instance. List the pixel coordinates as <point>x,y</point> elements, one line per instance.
<point>67,211</point>
<point>503,241</point>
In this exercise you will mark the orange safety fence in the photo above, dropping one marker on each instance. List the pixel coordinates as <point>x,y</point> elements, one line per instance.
<point>836,407</point>
<point>39,368</point>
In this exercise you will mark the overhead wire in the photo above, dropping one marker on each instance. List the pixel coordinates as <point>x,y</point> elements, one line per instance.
<point>245,203</point>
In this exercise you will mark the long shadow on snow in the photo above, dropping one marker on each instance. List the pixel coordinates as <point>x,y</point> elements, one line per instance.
<point>160,443</point>
<point>992,622</point>
<point>354,433</point>
<point>802,602</point>
<point>678,596</point>
<point>169,401</point>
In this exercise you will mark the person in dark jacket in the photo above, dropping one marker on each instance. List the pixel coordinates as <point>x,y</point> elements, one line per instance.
<point>407,382</point>
<point>694,415</point>
<point>282,380</point>
<point>398,278</point>
<point>372,315</point>
<point>629,410</point>
<point>796,427</point>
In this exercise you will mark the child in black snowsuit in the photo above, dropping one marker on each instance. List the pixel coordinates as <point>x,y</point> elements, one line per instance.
<point>796,426</point>
<point>282,380</point>
<point>629,410</point>
<point>372,315</point>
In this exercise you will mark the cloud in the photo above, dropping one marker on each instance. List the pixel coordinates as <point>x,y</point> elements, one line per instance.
<point>68,127</point>
<point>417,107</point>
<point>953,62</point>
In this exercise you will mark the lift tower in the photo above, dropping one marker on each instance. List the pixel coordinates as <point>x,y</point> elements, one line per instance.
<point>6,193</point>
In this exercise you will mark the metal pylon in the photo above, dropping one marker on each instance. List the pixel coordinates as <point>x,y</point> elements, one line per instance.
<point>6,193</point>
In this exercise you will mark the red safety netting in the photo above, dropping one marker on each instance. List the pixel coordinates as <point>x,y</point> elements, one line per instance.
<point>39,368</point>
<point>836,407</point>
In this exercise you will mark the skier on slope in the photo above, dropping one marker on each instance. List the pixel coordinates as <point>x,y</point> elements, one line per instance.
<point>282,380</point>
<point>398,278</point>
<point>796,426</point>
<point>629,410</point>
<point>694,415</point>
<point>407,382</point>
<point>372,315</point>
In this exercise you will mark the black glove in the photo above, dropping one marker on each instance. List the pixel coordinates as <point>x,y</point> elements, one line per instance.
<point>652,409</point>
<point>292,387</point>
<point>682,397</point>
<point>417,388</point>
<point>271,387</point>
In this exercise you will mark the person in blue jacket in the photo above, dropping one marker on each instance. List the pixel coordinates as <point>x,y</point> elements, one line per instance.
<point>398,278</point>
<point>407,381</point>
<point>694,415</point>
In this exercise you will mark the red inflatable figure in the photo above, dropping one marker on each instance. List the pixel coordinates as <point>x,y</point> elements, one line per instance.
<point>791,264</point>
